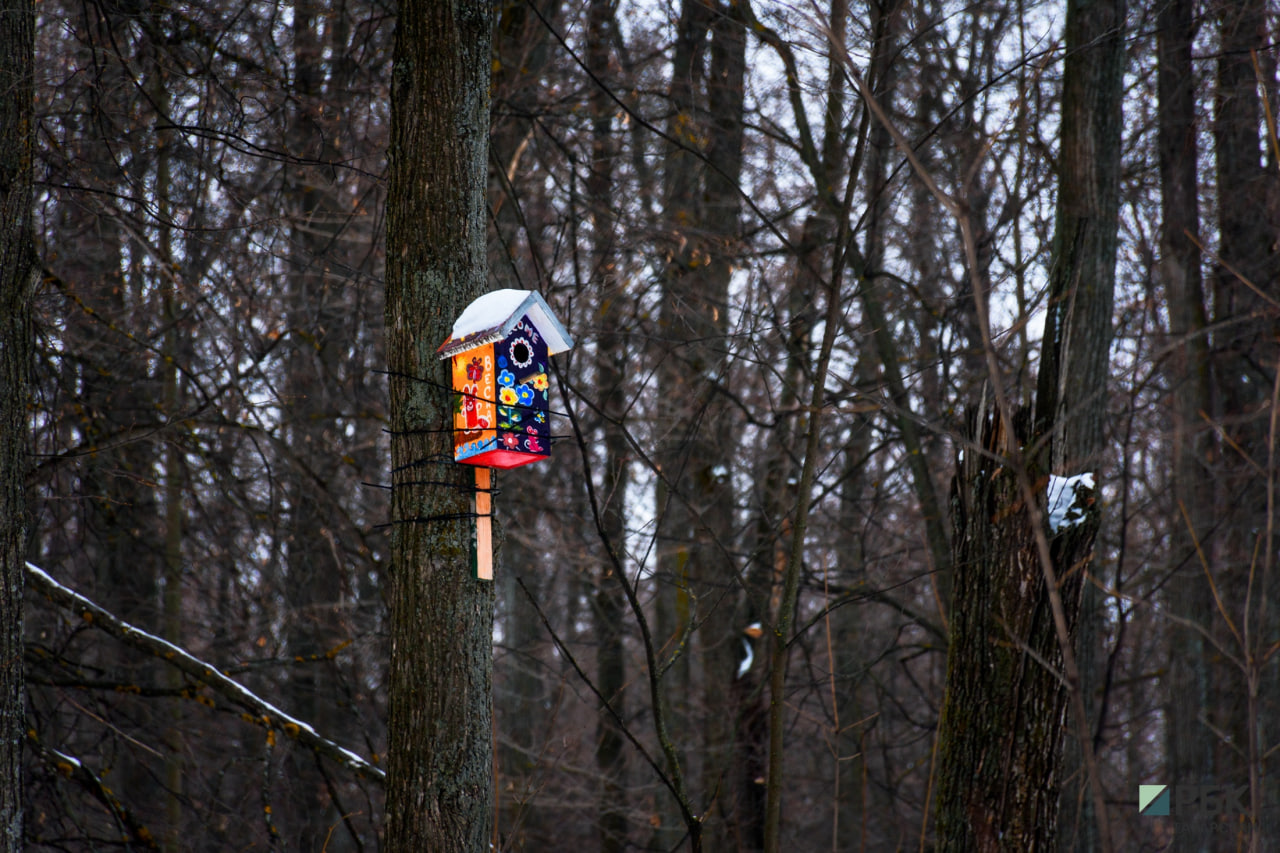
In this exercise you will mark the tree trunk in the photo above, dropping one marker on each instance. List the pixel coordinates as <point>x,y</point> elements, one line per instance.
<point>712,449</point>
<point>1190,744</point>
<point>17,267</point>
<point>848,623</point>
<point>439,786</point>
<point>1004,711</point>
<point>524,57</point>
<point>1244,345</point>
<point>680,371</point>
<point>611,355</point>
<point>323,323</point>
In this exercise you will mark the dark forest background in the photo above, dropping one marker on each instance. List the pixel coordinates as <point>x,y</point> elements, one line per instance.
<point>701,190</point>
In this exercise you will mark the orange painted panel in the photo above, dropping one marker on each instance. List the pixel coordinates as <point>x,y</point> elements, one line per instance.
<point>475,413</point>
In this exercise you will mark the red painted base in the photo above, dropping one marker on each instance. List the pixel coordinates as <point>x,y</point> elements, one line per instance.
<point>504,459</point>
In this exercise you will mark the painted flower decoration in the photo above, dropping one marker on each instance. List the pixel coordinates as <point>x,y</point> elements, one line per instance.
<point>509,439</point>
<point>540,382</point>
<point>540,417</point>
<point>526,395</point>
<point>521,352</point>
<point>506,378</point>
<point>508,396</point>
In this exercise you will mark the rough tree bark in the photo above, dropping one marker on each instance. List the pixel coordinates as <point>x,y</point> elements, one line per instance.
<point>1006,703</point>
<point>17,266</point>
<point>439,788</point>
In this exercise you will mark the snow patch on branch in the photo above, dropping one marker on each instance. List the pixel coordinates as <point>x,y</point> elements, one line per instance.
<point>1069,499</point>
<point>749,658</point>
<point>70,760</point>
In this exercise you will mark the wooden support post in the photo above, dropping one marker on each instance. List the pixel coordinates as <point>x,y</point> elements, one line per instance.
<point>484,524</point>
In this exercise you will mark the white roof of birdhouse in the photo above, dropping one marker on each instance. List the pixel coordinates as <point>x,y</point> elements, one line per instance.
<point>494,315</point>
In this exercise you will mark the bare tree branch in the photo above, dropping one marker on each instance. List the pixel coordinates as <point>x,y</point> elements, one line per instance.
<point>260,710</point>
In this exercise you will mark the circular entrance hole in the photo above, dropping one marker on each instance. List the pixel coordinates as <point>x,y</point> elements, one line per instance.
<point>521,355</point>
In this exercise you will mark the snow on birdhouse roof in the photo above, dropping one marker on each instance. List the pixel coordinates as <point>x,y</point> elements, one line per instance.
<point>492,317</point>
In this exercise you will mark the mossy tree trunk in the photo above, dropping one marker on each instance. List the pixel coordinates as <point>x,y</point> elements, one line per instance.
<point>439,785</point>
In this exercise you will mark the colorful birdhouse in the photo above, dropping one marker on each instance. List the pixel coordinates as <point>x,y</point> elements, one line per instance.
<point>500,348</point>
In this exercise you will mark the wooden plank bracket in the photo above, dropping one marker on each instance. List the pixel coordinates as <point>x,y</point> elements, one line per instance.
<point>484,524</point>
